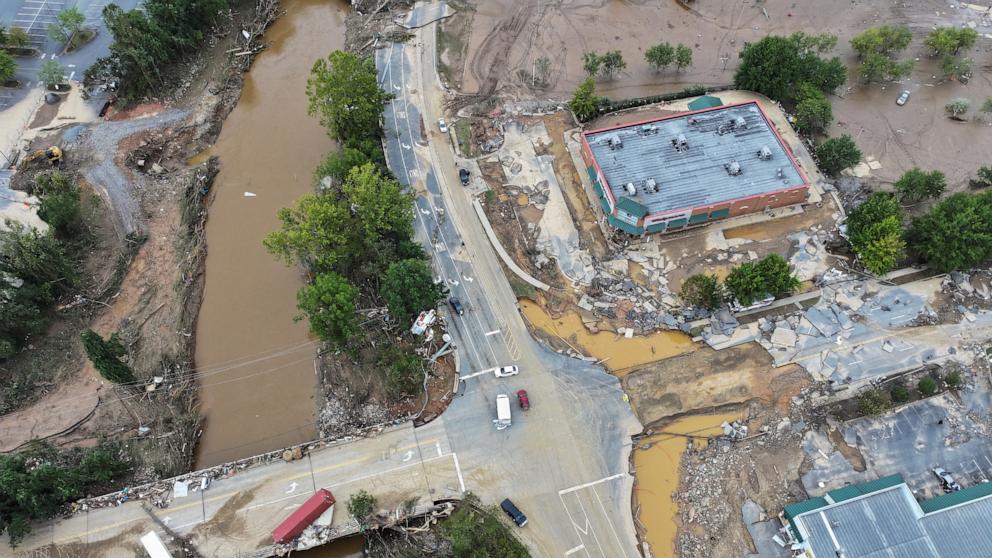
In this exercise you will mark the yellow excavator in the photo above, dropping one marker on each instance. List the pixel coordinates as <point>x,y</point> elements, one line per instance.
<point>53,155</point>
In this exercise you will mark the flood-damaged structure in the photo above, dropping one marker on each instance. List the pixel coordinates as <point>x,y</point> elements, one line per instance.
<point>679,171</point>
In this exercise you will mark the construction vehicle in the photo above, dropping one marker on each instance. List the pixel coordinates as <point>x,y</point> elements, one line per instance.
<point>53,154</point>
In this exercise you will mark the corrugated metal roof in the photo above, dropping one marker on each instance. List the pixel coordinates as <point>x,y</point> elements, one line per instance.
<point>959,497</point>
<point>855,490</point>
<point>632,207</point>
<point>694,176</point>
<point>889,523</point>
<point>625,227</point>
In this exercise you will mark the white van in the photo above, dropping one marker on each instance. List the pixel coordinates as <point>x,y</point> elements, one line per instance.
<point>502,411</point>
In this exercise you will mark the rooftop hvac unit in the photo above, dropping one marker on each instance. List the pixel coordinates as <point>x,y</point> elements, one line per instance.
<point>630,189</point>
<point>739,122</point>
<point>764,153</point>
<point>779,173</point>
<point>680,144</point>
<point>614,141</point>
<point>651,186</point>
<point>733,168</point>
<point>648,129</point>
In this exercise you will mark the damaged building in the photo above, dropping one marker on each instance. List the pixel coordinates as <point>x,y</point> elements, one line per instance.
<point>679,171</point>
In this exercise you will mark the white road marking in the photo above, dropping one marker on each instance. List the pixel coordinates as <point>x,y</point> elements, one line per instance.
<point>609,521</point>
<point>437,445</point>
<point>166,520</point>
<point>408,456</point>
<point>458,469</point>
<point>43,56</point>
<point>493,332</point>
<point>573,550</point>
<point>292,488</point>
<point>72,74</point>
<point>588,484</point>
<point>470,376</point>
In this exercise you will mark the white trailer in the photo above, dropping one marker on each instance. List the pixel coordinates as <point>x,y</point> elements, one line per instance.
<point>154,546</point>
<point>502,411</point>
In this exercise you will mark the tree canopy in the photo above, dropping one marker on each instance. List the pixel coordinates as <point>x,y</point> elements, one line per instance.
<point>956,108</point>
<point>945,41</point>
<point>106,356</point>
<point>683,57</point>
<point>776,65</point>
<point>813,111</point>
<point>8,67</point>
<point>409,288</point>
<point>585,102</point>
<point>51,73</point>
<point>916,184</point>
<point>68,22</point>
<point>329,304</point>
<point>752,281</point>
<point>660,56</point>
<point>877,48</point>
<point>477,532</point>
<point>702,291</point>
<point>837,154</point>
<point>875,231</point>
<point>955,234</point>
<point>344,92</point>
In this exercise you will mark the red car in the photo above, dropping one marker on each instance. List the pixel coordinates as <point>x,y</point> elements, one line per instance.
<point>522,398</point>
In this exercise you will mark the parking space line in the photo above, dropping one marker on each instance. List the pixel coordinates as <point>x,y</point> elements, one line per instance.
<point>573,550</point>
<point>589,526</point>
<point>609,522</point>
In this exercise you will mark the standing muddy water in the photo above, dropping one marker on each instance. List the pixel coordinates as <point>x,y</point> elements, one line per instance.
<point>657,470</point>
<point>258,386</point>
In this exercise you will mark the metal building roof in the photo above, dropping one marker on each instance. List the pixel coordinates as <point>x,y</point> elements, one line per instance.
<point>694,173</point>
<point>890,524</point>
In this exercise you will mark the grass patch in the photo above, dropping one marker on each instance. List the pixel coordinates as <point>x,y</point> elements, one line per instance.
<point>521,288</point>
<point>463,133</point>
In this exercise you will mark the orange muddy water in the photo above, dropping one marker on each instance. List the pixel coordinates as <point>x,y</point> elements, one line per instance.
<point>258,386</point>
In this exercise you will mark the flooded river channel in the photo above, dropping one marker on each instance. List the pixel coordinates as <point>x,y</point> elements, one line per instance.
<point>258,386</point>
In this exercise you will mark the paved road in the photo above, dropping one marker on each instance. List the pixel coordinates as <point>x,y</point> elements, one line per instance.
<point>564,462</point>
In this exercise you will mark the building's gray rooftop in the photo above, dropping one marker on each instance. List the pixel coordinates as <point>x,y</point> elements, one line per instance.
<point>890,524</point>
<point>695,176</point>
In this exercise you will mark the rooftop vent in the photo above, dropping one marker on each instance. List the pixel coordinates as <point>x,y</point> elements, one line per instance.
<point>680,143</point>
<point>630,189</point>
<point>651,186</point>
<point>648,129</point>
<point>779,173</point>
<point>613,140</point>
<point>764,153</point>
<point>733,168</point>
<point>739,122</point>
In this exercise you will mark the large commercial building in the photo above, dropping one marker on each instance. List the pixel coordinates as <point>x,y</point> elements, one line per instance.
<point>881,519</point>
<point>667,174</point>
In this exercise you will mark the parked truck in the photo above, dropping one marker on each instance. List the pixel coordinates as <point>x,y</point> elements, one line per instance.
<point>303,516</point>
<point>502,411</point>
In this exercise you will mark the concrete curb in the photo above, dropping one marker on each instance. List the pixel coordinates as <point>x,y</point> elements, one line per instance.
<point>502,252</point>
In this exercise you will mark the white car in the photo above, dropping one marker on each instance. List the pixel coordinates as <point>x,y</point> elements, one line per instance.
<point>505,371</point>
<point>903,98</point>
<point>443,126</point>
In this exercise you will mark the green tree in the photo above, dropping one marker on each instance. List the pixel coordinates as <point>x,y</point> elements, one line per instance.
<point>927,386</point>
<point>612,64</point>
<point>361,505</point>
<point>69,23</point>
<point>22,314</point>
<point>746,283</point>
<point>777,276</point>
<point>878,67</point>
<point>329,304</point>
<point>899,393</point>
<point>837,154</point>
<point>820,43</point>
<point>956,68</point>
<point>106,355</point>
<point>916,185</point>
<point>813,112</point>
<point>404,372</point>
<point>36,258</point>
<point>953,379</point>
<point>702,291</point>
<point>36,485</point>
<point>8,67</point>
<point>957,107</point>
<point>987,105</point>
<point>873,402</point>
<point>18,37</point>
<point>660,56</point>
<point>955,234</point>
<point>683,57</point>
<point>884,39</point>
<point>344,91</point>
<point>584,102</point>
<point>61,210</point>
<point>984,179</point>
<point>337,164</point>
<point>409,288</point>
<point>775,66</point>
<point>475,531</point>
<point>948,41</point>
<point>875,230</point>
<point>591,63</point>
<point>51,73</point>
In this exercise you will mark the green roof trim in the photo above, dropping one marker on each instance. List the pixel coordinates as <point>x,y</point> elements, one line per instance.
<point>705,102</point>
<point>625,227</point>
<point>657,227</point>
<point>632,207</point>
<point>855,490</point>
<point>792,510</point>
<point>955,498</point>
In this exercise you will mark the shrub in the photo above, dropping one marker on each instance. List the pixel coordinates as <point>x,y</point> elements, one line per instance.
<point>873,403</point>
<point>957,107</point>
<point>361,505</point>
<point>702,291</point>
<point>106,354</point>
<point>837,154</point>
<point>953,379</point>
<point>927,386</point>
<point>899,393</point>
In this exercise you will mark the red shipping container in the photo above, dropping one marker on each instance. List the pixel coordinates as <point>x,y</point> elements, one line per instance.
<point>304,516</point>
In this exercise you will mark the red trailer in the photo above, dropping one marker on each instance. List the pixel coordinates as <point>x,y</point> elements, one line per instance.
<point>304,516</point>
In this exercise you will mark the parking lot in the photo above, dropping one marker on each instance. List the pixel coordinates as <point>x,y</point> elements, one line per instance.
<point>34,16</point>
